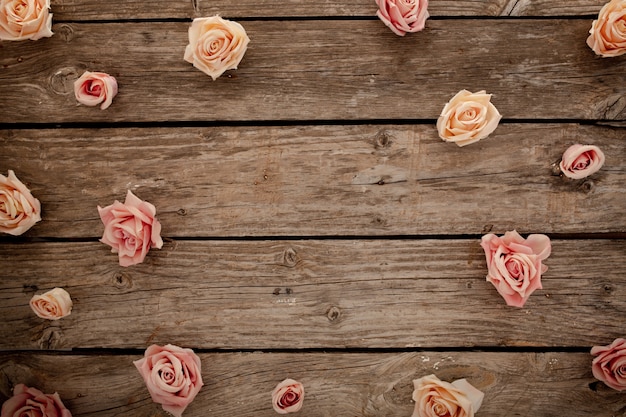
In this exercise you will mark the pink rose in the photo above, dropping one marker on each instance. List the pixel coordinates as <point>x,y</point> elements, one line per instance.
<point>436,398</point>
<point>608,34</point>
<point>467,118</point>
<point>514,264</point>
<point>93,88</point>
<point>609,366</point>
<point>131,229</point>
<point>216,45</point>
<point>580,161</point>
<point>287,397</point>
<point>25,19</point>
<point>52,305</point>
<point>19,210</point>
<point>30,402</point>
<point>402,16</point>
<point>172,375</point>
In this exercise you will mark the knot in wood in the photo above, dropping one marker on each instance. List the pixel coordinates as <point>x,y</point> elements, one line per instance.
<point>50,337</point>
<point>122,280</point>
<point>64,31</point>
<point>181,212</point>
<point>382,140</point>
<point>62,81</point>
<point>587,186</point>
<point>333,313</point>
<point>290,257</point>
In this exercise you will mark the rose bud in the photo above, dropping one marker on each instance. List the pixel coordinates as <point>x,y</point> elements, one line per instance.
<point>402,16</point>
<point>288,396</point>
<point>52,305</point>
<point>580,161</point>
<point>93,88</point>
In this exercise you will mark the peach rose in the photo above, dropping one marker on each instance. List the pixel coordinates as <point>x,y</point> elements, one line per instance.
<point>25,19</point>
<point>580,161</point>
<point>52,305</point>
<point>402,16</point>
<point>514,264</point>
<point>19,210</point>
<point>609,366</point>
<point>467,118</point>
<point>172,376</point>
<point>436,398</point>
<point>287,397</point>
<point>131,229</point>
<point>216,45</point>
<point>27,402</point>
<point>93,88</point>
<point>607,36</point>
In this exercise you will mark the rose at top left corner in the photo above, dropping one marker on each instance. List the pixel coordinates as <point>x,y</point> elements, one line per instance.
<point>25,19</point>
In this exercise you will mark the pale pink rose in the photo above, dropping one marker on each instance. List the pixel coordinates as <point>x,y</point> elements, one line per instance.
<point>30,402</point>
<point>580,161</point>
<point>52,305</point>
<point>25,19</point>
<point>402,16</point>
<point>608,34</point>
<point>288,396</point>
<point>436,398</point>
<point>515,264</point>
<point>172,376</point>
<point>609,366</point>
<point>93,88</point>
<point>19,210</point>
<point>216,45</point>
<point>131,229</point>
<point>467,118</point>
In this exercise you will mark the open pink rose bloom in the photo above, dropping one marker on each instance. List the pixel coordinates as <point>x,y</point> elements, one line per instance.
<point>402,16</point>
<point>580,161</point>
<point>25,19</point>
<point>52,305</point>
<point>607,36</point>
<point>30,402</point>
<point>515,264</point>
<point>609,364</point>
<point>172,376</point>
<point>93,88</point>
<point>288,396</point>
<point>131,229</point>
<point>436,398</point>
<point>19,210</point>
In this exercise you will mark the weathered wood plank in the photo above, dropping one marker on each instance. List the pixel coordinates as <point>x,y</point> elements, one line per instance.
<point>77,10</point>
<point>547,384</point>
<point>353,70</point>
<point>308,294</point>
<point>306,180</point>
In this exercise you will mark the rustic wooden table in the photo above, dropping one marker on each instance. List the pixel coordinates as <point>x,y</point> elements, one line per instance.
<point>315,225</point>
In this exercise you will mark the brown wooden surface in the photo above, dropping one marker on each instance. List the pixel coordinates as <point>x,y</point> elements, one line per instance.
<point>354,69</point>
<point>336,384</point>
<point>315,225</point>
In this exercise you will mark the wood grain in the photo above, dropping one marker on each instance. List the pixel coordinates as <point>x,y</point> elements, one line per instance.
<point>336,384</point>
<point>77,10</point>
<point>354,70</point>
<point>309,294</point>
<point>306,180</point>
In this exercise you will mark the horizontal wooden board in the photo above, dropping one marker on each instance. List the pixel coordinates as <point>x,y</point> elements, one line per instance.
<point>77,10</point>
<point>308,294</point>
<point>363,180</point>
<point>316,70</point>
<point>547,384</point>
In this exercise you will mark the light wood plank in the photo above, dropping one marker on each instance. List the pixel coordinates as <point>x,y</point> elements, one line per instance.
<point>546,384</point>
<point>77,10</point>
<point>308,294</point>
<point>354,70</point>
<point>320,180</point>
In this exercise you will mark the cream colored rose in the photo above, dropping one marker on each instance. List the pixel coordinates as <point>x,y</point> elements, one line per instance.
<point>607,36</point>
<point>436,398</point>
<point>25,19</point>
<point>216,45</point>
<point>52,305</point>
<point>467,118</point>
<point>19,210</point>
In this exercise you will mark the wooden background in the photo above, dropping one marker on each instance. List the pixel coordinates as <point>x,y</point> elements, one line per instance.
<point>315,225</point>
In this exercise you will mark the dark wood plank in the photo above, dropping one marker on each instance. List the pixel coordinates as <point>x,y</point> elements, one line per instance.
<point>354,70</point>
<point>547,384</point>
<point>362,180</point>
<point>77,10</point>
<point>308,294</point>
